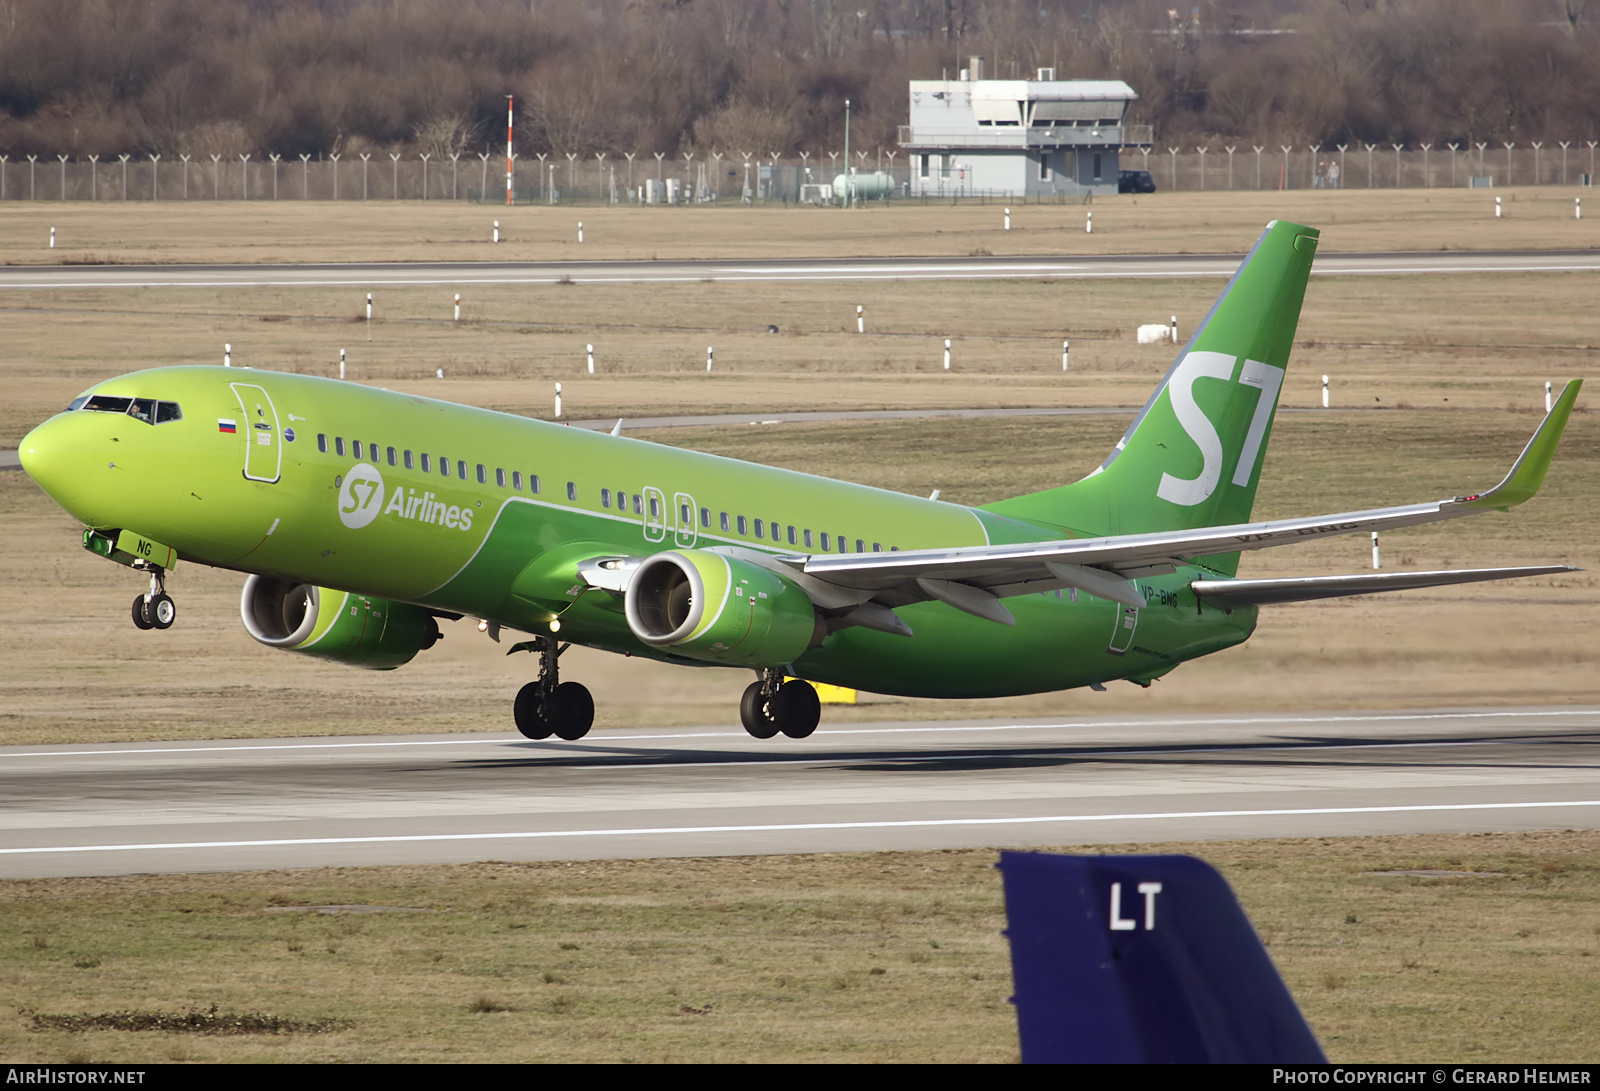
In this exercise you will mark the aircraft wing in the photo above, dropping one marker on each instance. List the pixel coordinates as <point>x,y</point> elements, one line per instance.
<point>973,578</point>
<point>1232,594</point>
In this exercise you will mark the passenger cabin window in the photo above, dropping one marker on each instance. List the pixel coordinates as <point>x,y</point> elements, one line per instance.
<point>426,467</point>
<point>391,456</point>
<point>743,526</point>
<point>408,462</point>
<point>705,518</point>
<point>483,475</point>
<point>638,505</point>
<point>500,477</point>
<point>825,547</point>
<point>322,442</point>
<point>605,498</point>
<point>461,470</point>
<point>355,448</point>
<point>444,466</point>
<point>533,483</point>
<point>516,480</point>
<point>572,491</point>
<point>724,520</point>
<point>338,446</point>
<point>759,528</point>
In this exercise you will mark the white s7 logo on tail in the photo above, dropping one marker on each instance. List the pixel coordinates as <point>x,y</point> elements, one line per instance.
<point>1180,389</point>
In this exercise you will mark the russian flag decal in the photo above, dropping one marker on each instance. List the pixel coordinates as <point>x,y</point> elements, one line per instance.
<point>227,426</point>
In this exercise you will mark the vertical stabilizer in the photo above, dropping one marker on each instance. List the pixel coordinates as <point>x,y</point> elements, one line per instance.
<point>1142,959</point>
<point>1192,456</point>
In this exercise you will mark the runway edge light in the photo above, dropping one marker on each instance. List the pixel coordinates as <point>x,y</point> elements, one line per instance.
<point>1142,959</point>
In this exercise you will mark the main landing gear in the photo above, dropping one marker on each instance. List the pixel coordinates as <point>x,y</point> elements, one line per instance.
<point>550,706</point>
<point>154,609</point>
<point>771,705</point>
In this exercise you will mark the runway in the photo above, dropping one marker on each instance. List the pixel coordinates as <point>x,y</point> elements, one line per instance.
<point>378,275</point>
<point>99,809</point>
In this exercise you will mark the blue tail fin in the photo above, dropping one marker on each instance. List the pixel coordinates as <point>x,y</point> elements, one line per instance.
<point>1142,959</point>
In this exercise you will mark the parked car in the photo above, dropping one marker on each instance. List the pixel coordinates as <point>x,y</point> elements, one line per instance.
<point>1135,181</point>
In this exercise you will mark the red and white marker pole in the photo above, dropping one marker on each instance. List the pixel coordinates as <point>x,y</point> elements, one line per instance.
<point>510,176</point>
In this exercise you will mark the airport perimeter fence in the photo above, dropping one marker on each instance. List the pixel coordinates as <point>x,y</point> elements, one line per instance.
<point>722,179</point>
<point>1367,166</point>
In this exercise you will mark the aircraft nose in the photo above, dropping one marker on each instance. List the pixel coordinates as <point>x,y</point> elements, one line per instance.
<point>55,462</point>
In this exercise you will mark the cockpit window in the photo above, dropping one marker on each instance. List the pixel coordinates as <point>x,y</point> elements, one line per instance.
<point>146,409</point>
<point>104,403</point>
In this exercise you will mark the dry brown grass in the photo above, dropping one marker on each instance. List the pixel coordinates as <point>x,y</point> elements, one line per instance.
<point>859,957</point>
<point>1456,363</point>
<point>1197,223</point>
<point>1467,341</point>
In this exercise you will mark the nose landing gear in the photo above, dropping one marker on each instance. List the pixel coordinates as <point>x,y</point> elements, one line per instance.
<point>771,705</point>
<point>550,706</point>
<point>155,609</point>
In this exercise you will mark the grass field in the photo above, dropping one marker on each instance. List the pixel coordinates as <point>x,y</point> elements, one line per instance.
<point>869,958</point>
<point>1210,222</point>
<point>78,672</point>
<point>1437,382</point>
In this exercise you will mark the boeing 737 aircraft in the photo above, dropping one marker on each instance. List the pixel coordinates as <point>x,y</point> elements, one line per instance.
<point>362,516</point>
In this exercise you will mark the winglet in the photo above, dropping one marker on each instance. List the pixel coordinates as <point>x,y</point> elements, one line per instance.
<point>1527,474</point>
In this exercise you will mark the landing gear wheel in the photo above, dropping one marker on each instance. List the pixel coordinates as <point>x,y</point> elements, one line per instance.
<point>528,711</point>
<point>141,613</point>
<point>753,713</point>
<point>570,711</point>
<point>162,612</point>
<point>797,709</point>
<point>549,706</point>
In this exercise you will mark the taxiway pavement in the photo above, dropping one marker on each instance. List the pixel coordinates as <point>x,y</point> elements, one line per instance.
<point>374,275</point>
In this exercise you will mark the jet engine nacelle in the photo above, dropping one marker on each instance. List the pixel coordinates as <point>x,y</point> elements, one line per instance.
<point>374,634</point>
<point>720,609</point>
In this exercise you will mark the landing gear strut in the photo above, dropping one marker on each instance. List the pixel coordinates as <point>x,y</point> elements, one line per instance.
<point>771,705</point>
<point>155,609</point>
<point>550,706</point>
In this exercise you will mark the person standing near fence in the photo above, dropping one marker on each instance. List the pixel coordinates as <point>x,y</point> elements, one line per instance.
<point>1320,179</point>
<point>1333,174</point>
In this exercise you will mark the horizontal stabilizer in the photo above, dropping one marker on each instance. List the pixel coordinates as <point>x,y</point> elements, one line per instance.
<point>1232,594</point>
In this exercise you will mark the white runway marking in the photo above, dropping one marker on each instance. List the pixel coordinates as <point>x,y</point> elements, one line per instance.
<point>805,826</point>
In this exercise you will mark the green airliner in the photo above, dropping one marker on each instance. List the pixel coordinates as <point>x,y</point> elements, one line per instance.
<point>362,516</point>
